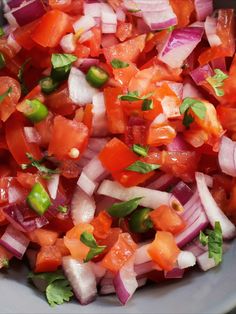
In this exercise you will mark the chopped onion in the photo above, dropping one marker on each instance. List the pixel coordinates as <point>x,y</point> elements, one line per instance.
<point>67,43</point>
<point>92,9</point>
<point>31,134</point>
<point>97,144</point>
<point>125,282</point>
<point>85,64</point>
<point>81,278</point>
<point>85,36</point>
<point>16,194</point>
<point>82,207</point>
<point>194,248</point>
<point>178,144</point>
<point>99,124</point>
<point>94,169</point>
<point>144,268</point>
<point>162,183</point>
<point>86,184</point>
<point>160,19</point>
<point>219,63</point>
<point>200,74</point>
<point>192,231</point>
<point>13,4</point>
<point>26,12</point>
<point>107,289</point>
<point>210,29</point>
<point>109,19</point>
<point>150,198</point>
<point>205,262</point>
<point>109,40</point>
<point>186,259</point>
<point>191,91</point>
<point>203,8</point>
<point>214,213</point>
<point>175,273</point>
<point>14,241</point>
<point>120,14</point>
<point>98,270</point>
<point>141,255</point>
<point>182,192</point>
<point>13,43</point>
<point>84,23</point>
<point>179,45</point>
<point>80,92</point>
<point>52,185</point>
<point>227,156</point>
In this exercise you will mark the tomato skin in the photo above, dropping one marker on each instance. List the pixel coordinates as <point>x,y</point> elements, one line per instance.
<point>163,250</point>
<point>120,253</point>
<point>166,219</point>
<point>127,51</point>
<point>52,26</point>
<point>115,115</point>
<point>129,178</point>
<point>16,141</point>
<point>76,133</point>
<point>8,105</point>
<point>48,259</point>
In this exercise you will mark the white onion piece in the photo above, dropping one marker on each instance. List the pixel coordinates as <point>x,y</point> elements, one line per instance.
<point>179,45</point>
<point>210,29</point>
<point>85,36</point>
<point>194,248</point>
<point>92,9</point>
<point>31,134</point>
<point>84,23</point>
<point>141,255</point>
<point>99,124</point>
<point>125,282</point>
<point>201,73</point>
<point>203,8</point>
<point>150,198</point>
<point>52,185</point>
<point>214,213</point>
<point>98,270</point>
<point>94,169</point>
<point>144,268</point>
<point>107,289</point>
<point>227,156</point>
<point>82,207</point>
<point>191,91</point>
<point>186,259</point>
<point>109,19</point>
<point>86,184</point>
<point>120,14</point>
<point>109,28</point>
<point>16,194</point>
<point>205,262</point>
<point>14,241</point>
<point>81,278</point>
<point>80,92</point>
<point>67,43</point>
<point>97,144</point>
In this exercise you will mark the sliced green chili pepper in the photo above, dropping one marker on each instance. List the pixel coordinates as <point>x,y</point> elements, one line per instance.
<point>35,111</point>
<point>48,85</point>
<point>140,221</point>
<point>38,199</point>
<point>2,61</point>
<point>61,74</point>
<point>123,209</point>
<point>96,76</point>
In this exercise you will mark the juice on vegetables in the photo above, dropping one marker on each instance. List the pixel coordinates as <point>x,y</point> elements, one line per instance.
<point>117,142</point>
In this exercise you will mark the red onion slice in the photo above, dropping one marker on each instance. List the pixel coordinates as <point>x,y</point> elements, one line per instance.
<point>85,64</point>
<point>95,170</point>
<point>186,259</point>
<point>81,278</point>
<point>205,262</point>
<point>190,90</point>
<point>80,92</point>
<point>15,241</point>
<point>200,74</point>
<point>141,254</point>
<point>82,207</point>
<point>67,43</point>
<point>203,8</point>
<point>86,184</point>
<point>32,135</point>
<point>179,45</point>
<point>162,183</point>
<point>210,29</point>
<point>175,273</point>
<point>125,282</point>
<point>227,156</point>
<point>214,213</point>
<point>53,184</point>
<point>109,19</point>
<point>99,123</point>
<point>182,192</point>
<point>150,198</point>
<point>84,23</point>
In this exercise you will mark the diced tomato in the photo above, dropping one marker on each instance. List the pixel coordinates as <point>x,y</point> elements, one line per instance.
<point>227,117</point>
<point>5,256</point>
<point>5,183</point>
<point>120,253</point>
<point>160,134</point>
<point>72,241</point>
<point>52,26</point>
<point>3,220</point>
<point>8,105</point>
<point>226,29</point>
<point>61,246</point>
<point>88,116</point>
<point>126,51</point>
<point>183,10</point>
<point>43,237</point>
<point>48,259</point>
<point>59,102</point>
<point>62,5</point>
<point>111,239</point>
<point>124,31</point>
<point>143,81</point>
<point>163,250</point>
<point>76,137</point>
<point>23,35</point>
<point>82,51</point>
<point>166,219</point>
<point>124,75</point>
<point>230,86</point>
<point>136,131</point>
<point>129,178</point>
<point>115,115</point>
<point>44,129</point>
<point>95,42</point>
<point>118,151</point>
<point>102,225</point>
<point>16,141</point>
<point>27,179</point>
<point>60,225</point>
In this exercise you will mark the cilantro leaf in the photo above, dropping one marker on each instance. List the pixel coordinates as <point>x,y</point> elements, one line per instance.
<point>4,262</point>
<point>58,292</point>
<point>20,76</point>
<point>38,164</point>
<point>60,60</point>
<point>47,277</point>
<point>134,96</point>
<point>4,95</point>
<point>196,106</point>
<point>140,150</point>
<point>123,209</point>
<point>95,249</point>
<point>217,81</point>
<point>142,167</point>
<point>214,240</point>
<point>119,64</point>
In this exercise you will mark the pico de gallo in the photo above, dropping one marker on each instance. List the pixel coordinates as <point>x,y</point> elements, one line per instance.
<point>117,142</point>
